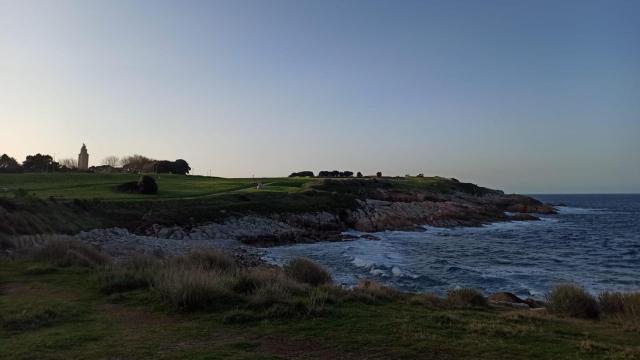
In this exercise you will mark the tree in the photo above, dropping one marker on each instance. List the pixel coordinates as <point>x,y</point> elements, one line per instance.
<point>112,161</point>
<point>69,163</point>
<point>359,174</point>
<point>40,162</point>
<point>379,174</point>
<point>163,167</point>
<point>181,167</point>
<point>302,174</point>
<point>135,162</point>
<point>9,164</point>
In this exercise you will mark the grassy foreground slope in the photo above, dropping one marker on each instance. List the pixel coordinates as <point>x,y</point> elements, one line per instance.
<point>59,313</point>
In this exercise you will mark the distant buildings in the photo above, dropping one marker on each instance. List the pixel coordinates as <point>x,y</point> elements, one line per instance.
<point>83,158</point>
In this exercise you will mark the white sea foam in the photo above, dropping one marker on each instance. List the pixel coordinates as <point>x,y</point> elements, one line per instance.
<point>362,263</point>
<point>575,210</point>
<point>395,271</point>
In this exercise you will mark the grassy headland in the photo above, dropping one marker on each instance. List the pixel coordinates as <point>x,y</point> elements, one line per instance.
<point>33,203</point>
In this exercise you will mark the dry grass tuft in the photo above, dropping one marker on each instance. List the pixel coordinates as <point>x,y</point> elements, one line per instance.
<point>624,307</point>
<point>426,300</point>
<point>66,251</point>
<point>212,260</point>
<point>368,291</point>
<point>308,272</point>
<point>572,301</point>
<point>193,288</point>
<point>466,297</point>
<point>137,272</point>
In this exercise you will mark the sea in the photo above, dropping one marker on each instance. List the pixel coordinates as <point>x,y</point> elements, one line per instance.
<point>593,241</point>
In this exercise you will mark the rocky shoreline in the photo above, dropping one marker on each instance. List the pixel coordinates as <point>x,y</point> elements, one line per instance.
<point>244,235</point>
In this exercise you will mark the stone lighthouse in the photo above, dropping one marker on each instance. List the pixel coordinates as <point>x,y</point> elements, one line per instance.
<point>83,158</point>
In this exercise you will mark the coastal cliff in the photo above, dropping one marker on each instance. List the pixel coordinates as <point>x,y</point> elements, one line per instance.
<point>322,211</point>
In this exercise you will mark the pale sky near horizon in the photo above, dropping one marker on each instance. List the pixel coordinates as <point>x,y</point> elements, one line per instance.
<point>524,96</point>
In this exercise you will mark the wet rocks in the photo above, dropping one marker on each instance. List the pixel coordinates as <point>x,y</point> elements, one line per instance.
<point>523,217</point>
<point>511,300</point>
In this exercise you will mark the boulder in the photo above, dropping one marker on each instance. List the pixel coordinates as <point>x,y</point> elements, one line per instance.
<point>506,298</point>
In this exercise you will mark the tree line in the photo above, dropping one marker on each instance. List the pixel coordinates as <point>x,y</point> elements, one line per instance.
<point>134,163</point>
<point>333,173</point>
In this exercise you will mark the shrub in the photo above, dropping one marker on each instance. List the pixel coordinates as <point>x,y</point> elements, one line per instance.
<point>466,297</point>
<point>192,288</point>
<point>611,303</point>
<point>573,301</point>
<point>308,272</point>
<point>269,294</point>
<point>145,185</point>
<point>65,251</point>
<point>626,306</point>
<point>315,301</point>
<point>127,187</point>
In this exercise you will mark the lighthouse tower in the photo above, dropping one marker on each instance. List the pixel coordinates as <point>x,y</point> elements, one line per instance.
<point>83,158</point>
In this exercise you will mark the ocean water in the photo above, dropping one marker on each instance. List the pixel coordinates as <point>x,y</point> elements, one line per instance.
<point>593,241</point>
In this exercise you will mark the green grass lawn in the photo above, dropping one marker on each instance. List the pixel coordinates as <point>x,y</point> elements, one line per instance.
<point>58,313</point>
<point>100,185</point>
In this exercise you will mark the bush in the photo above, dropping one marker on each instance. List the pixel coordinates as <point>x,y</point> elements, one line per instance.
<point>64,251</point>
<point>191,288</point>
<point>611,303</point>
<point>145,185</point>
<point>308,272</point>
<point>625,306</point>
<point>466,297</point>
<point>573,301</point>
<point>269,294</point>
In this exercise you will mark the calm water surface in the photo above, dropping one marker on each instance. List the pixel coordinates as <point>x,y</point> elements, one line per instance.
<point>593,241</point>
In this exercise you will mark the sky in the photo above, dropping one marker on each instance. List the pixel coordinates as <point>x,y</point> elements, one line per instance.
<point>525,96</point>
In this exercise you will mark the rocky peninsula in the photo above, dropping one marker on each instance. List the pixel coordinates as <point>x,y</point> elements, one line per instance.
<point>323,211</point>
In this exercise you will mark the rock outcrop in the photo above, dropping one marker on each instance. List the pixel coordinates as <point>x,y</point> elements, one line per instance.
<point>377,205</point>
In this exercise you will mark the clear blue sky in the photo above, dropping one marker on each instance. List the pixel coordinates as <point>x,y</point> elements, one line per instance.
<point>526,96</point>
